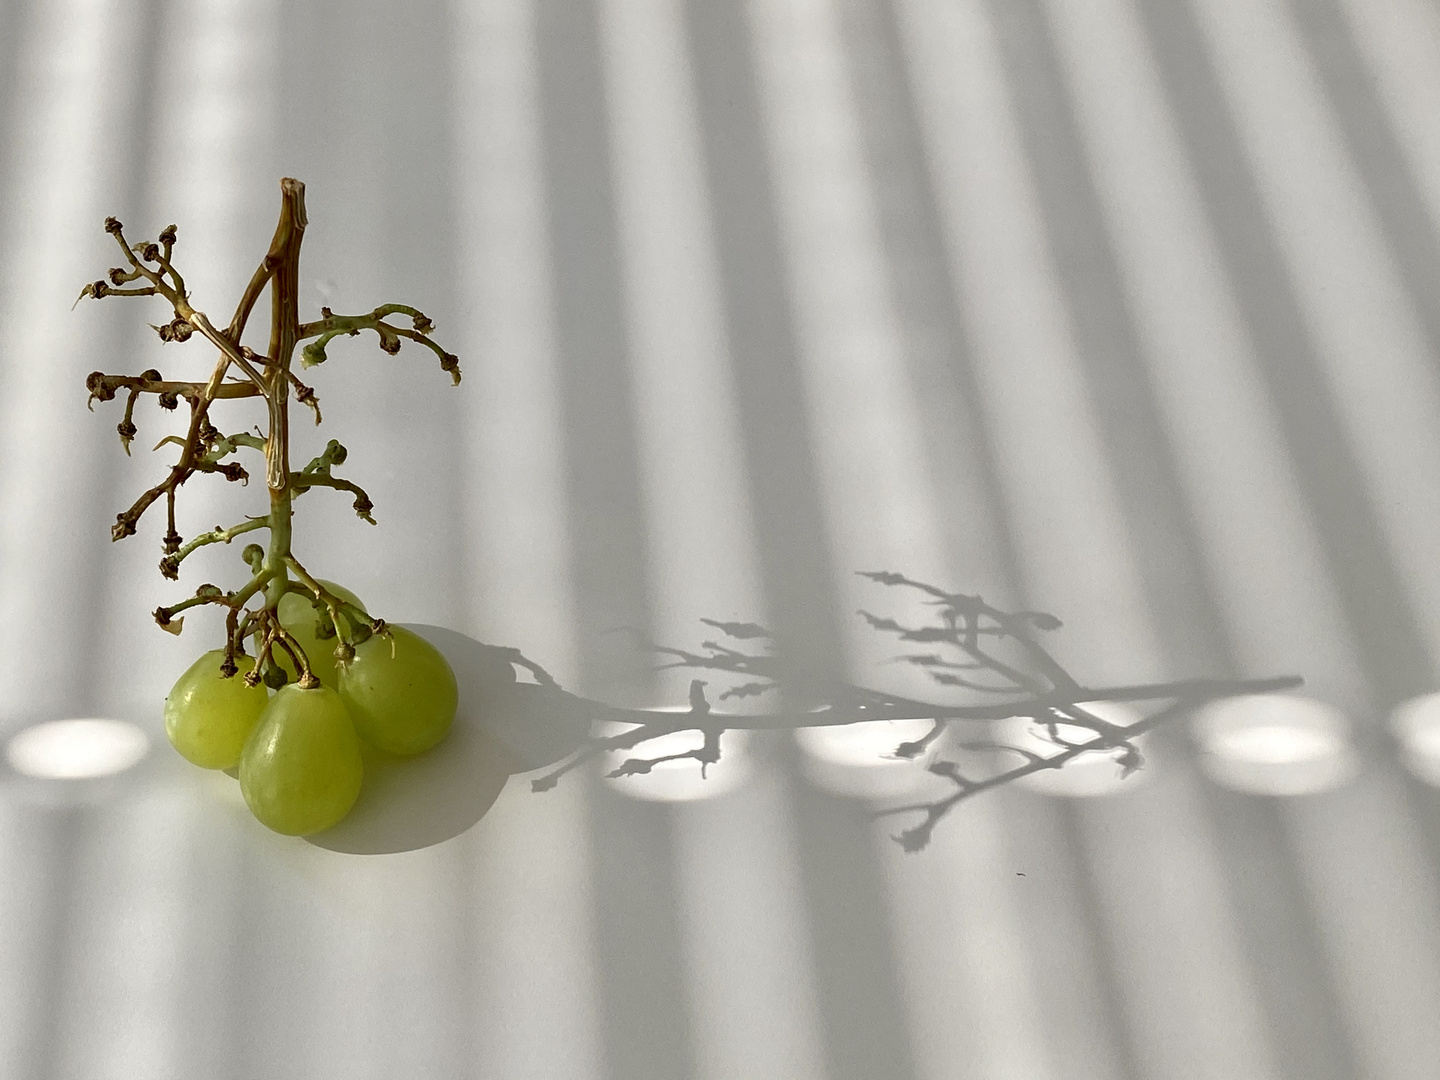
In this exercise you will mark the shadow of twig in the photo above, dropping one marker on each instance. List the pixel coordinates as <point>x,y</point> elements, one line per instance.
<point>967,635</point>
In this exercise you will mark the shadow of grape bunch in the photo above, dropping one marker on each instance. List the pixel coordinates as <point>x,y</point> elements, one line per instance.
<point>992,658</point>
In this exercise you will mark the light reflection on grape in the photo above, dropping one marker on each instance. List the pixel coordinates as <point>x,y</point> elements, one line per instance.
<point>1416,725</point>
<point>76,749</point>
<point>1275,744</point>
<point>681,780</point>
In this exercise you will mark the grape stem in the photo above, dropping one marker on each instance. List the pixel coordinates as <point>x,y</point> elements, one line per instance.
<point>331,325</point>
<point>1030,680</point>
<point>217,535</point>
<point>361,625</point>
<point>241,373</point>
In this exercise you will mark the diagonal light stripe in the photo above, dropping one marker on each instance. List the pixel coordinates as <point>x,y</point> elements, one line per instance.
<point>879,499</point>
<point>1256,531</point>
<point>29,839</point>
<point>209,144</point>
<point>752,1003</point>
<point>754,1008</point>
<point>535,1007</point>
<point>320,956</point>
<point>1076,556</point>
<point>1263,553</point>
<point>967,992</point>
<point>968,965</point>
<point>520,592</point>
<point>75,78</point>
<point>122,998</point>
<point>1385,385</point>
<point>212,125</point>
<point>701,535</point>
<point>1400,40</point>
<point>1047,448</point>
<point>1375,897</point>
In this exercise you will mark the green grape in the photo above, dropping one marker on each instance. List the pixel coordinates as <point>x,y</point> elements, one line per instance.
<point>301,769</point>
<point>299,617</point>
<point>208,717</point>
<point>400,691</point>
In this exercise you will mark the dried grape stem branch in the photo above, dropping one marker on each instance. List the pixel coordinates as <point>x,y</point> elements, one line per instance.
<point>240,372</point>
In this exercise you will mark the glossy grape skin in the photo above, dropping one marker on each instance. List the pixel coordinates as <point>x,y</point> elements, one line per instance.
<point>209,717</point>
<point>298,616</point>
<point>402,702</point>
<point>301,769</point>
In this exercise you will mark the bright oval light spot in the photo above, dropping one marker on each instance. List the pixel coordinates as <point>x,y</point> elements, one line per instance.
<point>870,744</point>
<point>859,760</point>
<point>1087,775</point>
<point>76,749</point>
<point>1416,725</point>
<point>1275,744</point>
<point>679,780</point>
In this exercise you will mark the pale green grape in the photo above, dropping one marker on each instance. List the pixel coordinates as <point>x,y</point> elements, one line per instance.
<point>301,769</point>
<point>299,617</point>
<point>400,691</point>
<point>208,717</point>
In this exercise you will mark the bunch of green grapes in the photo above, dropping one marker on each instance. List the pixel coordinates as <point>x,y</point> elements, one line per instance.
<point>298,750</point>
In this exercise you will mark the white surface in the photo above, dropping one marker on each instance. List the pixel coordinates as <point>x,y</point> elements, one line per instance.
<point>155,930</point>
